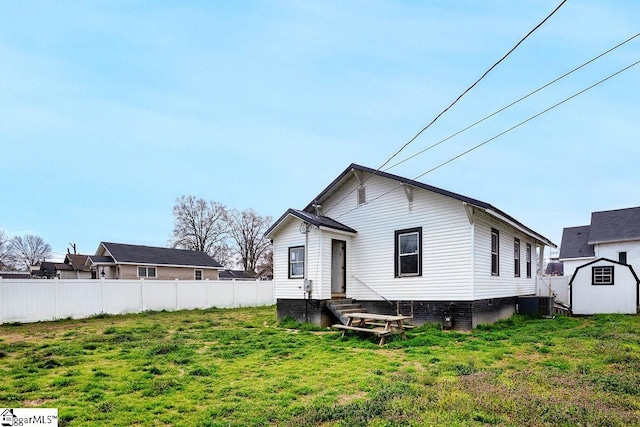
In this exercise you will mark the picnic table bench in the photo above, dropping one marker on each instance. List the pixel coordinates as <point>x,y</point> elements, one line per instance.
<point>381,325</point>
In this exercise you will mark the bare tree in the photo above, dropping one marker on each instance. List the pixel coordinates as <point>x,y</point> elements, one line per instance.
<point>4,250</point>
<point>247,229</point>
<point>200,226</point>
<point>265,264</point>
<point>28,250</point>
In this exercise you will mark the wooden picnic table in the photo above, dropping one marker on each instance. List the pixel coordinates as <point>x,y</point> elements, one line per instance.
<point>381,325</point>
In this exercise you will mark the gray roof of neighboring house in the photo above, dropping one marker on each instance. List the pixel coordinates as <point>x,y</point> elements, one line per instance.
<point>615,225</point>
<point>317,220</point>
<point>554,268</point>
<point>236,274</point>
<point>95,259</point>
<point>575,243</point>
<point>137,254</point>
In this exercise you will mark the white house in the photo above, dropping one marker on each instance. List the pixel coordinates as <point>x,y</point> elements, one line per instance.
<point>397,245</point>
<point>604,286</point>
<point>611,235</point>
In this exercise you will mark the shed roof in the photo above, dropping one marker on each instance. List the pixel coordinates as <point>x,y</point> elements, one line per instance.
<point>575,243</point>
<point>139,254</point>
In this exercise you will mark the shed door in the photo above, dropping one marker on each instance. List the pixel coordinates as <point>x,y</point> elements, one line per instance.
<point>338,266</point>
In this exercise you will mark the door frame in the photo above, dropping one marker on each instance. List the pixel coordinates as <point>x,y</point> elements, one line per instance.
<point>342,244</point>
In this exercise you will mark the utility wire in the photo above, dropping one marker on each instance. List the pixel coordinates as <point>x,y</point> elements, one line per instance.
<point>513,103</point>
<point>498,135</point>
<point>474,84</point>
<point>458,98</point>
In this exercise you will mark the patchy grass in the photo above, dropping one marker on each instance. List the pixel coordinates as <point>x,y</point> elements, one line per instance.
<point>241,367</point>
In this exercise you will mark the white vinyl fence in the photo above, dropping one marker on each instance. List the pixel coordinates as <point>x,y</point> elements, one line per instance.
<point>558,285</point>
<point>33,300</point>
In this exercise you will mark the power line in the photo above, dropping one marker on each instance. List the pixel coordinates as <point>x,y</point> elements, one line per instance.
<point>514,102</point>
<point>475,147</point>
<point>460,96</point>
<point>474,84</point>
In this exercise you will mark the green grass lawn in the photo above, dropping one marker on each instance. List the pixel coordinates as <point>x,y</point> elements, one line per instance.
<point>241,367</point>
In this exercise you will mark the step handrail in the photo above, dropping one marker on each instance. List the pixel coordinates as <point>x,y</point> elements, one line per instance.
<point>372,290</point>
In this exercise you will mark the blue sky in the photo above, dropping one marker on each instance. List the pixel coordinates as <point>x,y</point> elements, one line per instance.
<point>110,110</point>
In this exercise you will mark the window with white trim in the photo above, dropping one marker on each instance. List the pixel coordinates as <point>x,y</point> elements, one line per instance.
<point>197,274</point>
<point>602,275</point>
<point>147,272</point>
<point>296,262</point>
<point>516,257</point>
<point>495,252</point>
<point>408,252</point>
<point>528,260</point>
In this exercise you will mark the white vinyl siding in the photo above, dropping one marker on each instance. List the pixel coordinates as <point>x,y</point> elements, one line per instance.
<point>611,251</point>
<point>290,236</point>
<point>456,255</point>
<point>487,285</point>
<point>617,298</point>
<point>446,243</point>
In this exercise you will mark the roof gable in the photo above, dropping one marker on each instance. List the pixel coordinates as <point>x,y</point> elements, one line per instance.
<point>615,225</point>
<point>137,254</point>
<point>575,243</point>
<point>488,208</point>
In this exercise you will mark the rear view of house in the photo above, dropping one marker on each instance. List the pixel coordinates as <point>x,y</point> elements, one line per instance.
<point>399,246</point>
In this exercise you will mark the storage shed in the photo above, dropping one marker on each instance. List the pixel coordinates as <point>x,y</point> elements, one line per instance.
<point>604,286</point>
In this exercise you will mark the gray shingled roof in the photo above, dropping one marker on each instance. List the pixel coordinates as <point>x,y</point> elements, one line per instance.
<point>135,254</point>
<point>236,274</point>
<point>318,221</point>
<point>575,243</point>
<point>331,188</point>
<point>615,225</point>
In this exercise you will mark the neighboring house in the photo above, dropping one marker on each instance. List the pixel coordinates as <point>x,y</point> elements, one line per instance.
<point>613,234</point>
<point>554,268</point>
<point>236,275</point>
<point>122,261</point>
<point>15,275</point>
<point>397,245</point>
<point>74,267</point>
<point>46,270</point>
<point>604,286</point>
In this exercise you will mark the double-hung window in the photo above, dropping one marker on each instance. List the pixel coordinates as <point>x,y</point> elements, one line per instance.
<point>146,272</point>
<point>602,275</point>
<point>296,262</point>
<point>516,257</point>
<point>528,260</point>
<point>408,252</point>
<point>197,274</point>
<point>495,252</point>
